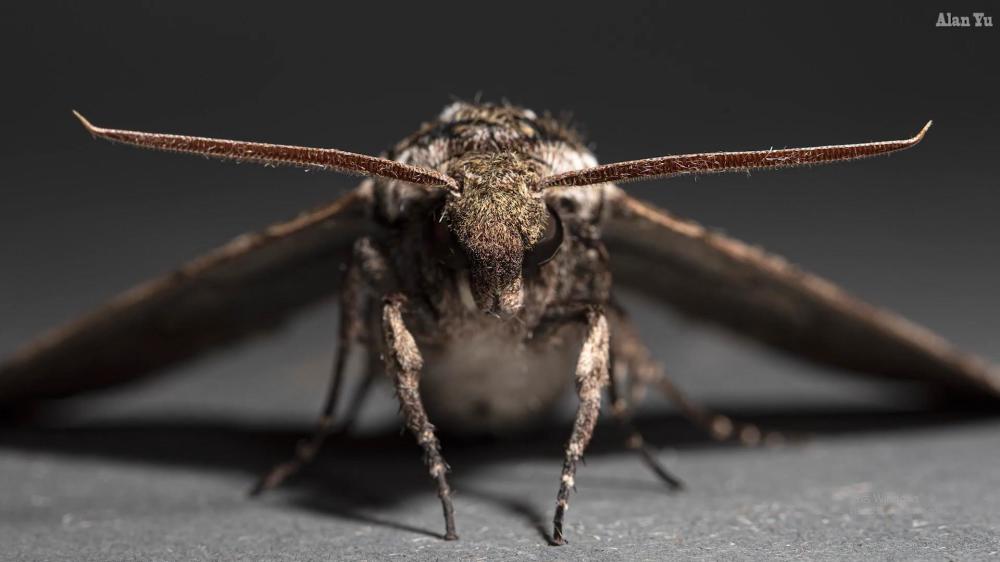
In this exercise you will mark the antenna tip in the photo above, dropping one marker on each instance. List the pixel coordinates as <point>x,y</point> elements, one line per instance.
<point>86,124</point>
<point>920,135</point>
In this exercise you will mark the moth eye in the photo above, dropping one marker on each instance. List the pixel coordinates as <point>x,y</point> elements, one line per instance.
<point>548,245</point>
<point>444,243</point>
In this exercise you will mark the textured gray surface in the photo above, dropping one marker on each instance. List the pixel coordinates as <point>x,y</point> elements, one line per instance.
<point>160,472</point>
<point>177,493</point>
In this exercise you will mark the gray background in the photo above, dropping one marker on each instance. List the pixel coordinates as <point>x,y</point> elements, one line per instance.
<point>158,471</point>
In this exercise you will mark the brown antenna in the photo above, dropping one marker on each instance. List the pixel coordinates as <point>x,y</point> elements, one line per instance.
<point>716,162</point>
<point>276,154</point>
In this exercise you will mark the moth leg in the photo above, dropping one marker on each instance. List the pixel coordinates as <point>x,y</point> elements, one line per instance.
<point>644,372</point>
<point>591,377</point>
<point>404,362</point>
<point>635,441</point>
<point>351,330</point>
<point>360,394</point>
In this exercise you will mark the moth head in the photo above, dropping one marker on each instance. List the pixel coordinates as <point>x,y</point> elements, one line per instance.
<point>494,226</point>
<point>494,221</point>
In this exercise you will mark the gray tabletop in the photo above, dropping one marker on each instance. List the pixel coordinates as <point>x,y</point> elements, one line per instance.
<point>160,471</point>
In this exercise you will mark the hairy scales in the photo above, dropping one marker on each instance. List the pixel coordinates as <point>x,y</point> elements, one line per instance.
<point>477,274</point>
<point>484,371</point>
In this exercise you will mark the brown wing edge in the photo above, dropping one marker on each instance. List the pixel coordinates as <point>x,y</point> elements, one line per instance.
<point>242,288</point>
<point>716,278</point>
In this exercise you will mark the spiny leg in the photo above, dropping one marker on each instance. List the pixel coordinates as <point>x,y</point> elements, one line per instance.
<point>405,362</point>
<point>358,396</point>
<point>591,376</point>
<point>644,371</point>
<point>635,440</point>
<point>307,448</point>
<point>352,309</point>
<point>718,426</point>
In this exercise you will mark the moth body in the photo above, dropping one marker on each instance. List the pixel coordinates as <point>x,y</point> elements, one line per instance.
<point>478,280</point>
<point>499,326</point>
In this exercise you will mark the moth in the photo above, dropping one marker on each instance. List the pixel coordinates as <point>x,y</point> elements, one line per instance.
<point>479,254</point>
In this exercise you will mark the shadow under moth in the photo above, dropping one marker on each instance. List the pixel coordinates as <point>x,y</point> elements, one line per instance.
<point>477,259</point>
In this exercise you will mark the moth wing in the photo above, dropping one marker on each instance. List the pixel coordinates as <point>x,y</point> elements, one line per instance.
<point>242,288</point>
<point>722,280</point>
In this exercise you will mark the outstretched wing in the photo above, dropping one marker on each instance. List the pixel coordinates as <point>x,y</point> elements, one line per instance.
<point>244,287</point>
<point>708,275</point>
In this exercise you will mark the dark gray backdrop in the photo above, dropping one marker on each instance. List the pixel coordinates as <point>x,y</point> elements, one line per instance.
<point>81,220</point>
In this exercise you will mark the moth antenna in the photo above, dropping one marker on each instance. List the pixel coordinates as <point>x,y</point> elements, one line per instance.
<point>275,154</point>
<point>717,162</point>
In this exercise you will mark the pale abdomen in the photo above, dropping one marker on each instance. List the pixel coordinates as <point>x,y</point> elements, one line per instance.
<point>481,384</point>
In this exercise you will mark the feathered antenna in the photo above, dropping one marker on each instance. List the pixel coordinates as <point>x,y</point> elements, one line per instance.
<point>276,154</point>
<point>716,162</point>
